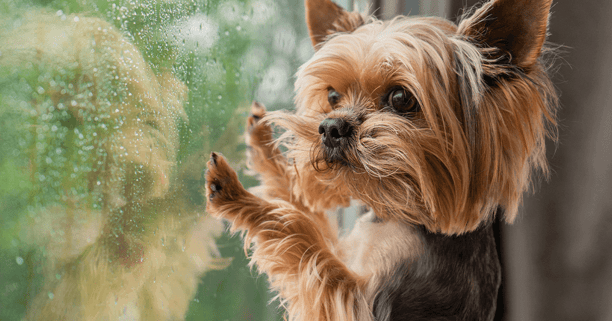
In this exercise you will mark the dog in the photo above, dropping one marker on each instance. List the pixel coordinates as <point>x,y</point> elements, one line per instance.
<point>437,128</point>
<point>131,242</point>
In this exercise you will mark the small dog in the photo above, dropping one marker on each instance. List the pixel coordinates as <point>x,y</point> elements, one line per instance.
<point>435,127</point>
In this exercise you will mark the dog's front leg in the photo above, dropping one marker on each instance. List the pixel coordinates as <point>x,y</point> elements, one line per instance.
<point>265,158</point>
<point>276,175</point>
<point>290,248</point>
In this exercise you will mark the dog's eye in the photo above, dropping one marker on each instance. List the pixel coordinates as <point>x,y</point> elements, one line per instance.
<point>402,101</point>
<point>333,97</point>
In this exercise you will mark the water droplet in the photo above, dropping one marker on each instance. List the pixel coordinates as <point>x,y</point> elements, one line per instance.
<point>19,260</point>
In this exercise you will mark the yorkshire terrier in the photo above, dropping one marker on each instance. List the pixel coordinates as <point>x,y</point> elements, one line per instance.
<point>435,127</point>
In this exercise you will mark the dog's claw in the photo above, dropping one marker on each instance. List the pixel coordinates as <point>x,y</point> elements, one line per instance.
<point>257,110</point>
<point>215,187</point>
<point>213,159</point>
<point>222,183</point>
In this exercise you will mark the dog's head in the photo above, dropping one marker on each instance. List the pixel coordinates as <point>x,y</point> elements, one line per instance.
<point>425,121</point>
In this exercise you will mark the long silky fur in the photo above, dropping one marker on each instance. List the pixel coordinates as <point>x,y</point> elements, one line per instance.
<point>434,178</point>
<point>481,168</point>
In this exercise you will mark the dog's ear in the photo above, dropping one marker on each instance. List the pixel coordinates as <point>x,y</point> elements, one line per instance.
<point>324,17</point>
<point>510,31</point>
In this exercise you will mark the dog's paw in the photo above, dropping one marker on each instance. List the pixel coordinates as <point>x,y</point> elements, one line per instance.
<point>222,184</point>
<point>259,134</point>
<point>258,111</point>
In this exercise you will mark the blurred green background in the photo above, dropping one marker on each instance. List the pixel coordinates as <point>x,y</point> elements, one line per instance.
<point>226,52</point>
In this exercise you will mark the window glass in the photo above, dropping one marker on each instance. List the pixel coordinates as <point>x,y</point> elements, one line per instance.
<point>108,113</point>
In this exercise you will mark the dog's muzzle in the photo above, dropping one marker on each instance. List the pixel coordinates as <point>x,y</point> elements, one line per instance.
<point>336,133</point>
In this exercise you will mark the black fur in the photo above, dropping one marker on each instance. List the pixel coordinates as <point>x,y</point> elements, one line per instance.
<point>456,278</point>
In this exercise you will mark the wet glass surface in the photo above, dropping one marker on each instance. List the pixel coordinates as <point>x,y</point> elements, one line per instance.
<point>108,112</point>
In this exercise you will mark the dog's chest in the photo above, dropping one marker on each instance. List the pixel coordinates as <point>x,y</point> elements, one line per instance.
<point>374,245</point>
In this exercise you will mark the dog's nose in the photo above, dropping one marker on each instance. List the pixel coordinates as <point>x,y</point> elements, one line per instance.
<point>335,131</point>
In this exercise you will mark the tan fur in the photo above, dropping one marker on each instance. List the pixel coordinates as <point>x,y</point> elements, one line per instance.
<point>140,257</point>
<point>467,198</point>
<point>325,17</point>
<point>472,146</point>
